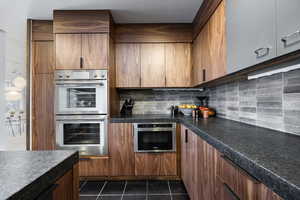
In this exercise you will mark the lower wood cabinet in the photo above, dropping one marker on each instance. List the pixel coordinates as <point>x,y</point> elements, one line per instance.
<point>155,164</point>
<point>94,167</point>
<point>121,149</point>
<point>209,175</point>
<point>43,132</point>
<point>67,186</point>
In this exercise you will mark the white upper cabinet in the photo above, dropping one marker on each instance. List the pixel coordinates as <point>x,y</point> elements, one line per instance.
<point>288,26</point>
<point>251,33</point>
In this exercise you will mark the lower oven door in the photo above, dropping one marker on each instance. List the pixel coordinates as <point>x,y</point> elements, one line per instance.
<point>155,140</point>
<point>85,133</point>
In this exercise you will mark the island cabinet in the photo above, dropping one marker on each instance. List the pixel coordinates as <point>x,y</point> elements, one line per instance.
<point>82,39</point>
<point>150,65</point>
<point>94,166</point>
<point>208,174</point>
<point>67,187</point>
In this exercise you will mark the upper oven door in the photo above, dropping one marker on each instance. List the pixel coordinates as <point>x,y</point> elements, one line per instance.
<point>81,97</point>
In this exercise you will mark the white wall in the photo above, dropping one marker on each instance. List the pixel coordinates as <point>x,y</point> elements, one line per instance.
<point>13,20</point>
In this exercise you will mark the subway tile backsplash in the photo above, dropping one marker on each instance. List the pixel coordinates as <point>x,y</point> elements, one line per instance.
<point>272,102</point>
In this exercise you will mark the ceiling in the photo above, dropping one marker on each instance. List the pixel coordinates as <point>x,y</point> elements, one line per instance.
<point>124,11</point>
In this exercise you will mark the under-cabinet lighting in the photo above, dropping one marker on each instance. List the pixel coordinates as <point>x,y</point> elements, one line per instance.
<point>275,71</point>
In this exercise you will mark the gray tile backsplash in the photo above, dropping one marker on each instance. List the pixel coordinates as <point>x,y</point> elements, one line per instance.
<point>158,101</point>
<point>272,102</point>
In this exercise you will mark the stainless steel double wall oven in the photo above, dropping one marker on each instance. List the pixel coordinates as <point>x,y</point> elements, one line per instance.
<point>81,111</point>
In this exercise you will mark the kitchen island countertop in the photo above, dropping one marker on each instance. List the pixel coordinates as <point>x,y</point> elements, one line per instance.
<point>26,174</point>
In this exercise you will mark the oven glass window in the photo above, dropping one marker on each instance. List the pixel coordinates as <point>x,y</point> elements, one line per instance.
<point>155,140</point>
<point>81,97</point>
<point>83,133</point>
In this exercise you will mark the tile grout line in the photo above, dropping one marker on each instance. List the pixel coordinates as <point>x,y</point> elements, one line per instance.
<point>124,190</point>
<point>83,184</point>
<point>170,190</point>
<point>147,189</point>
<point>101,190</point>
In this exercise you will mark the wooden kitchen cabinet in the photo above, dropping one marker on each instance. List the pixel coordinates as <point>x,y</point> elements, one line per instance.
<point>95,51</point>
<point>153,70</point>
<point>67,51</point>
<point>237,180</point>
<point>189,161</point>
<point>67,186</point>
<point>155,164</point>
<point>128,65</point>
<point>81,51</point>
<point>92,166</point>
<point>43,132</point>
<point>266,194</point>
<point>178,64</point>
<point>122,161</point>
<point>42,57</point>
<point>209,49</point>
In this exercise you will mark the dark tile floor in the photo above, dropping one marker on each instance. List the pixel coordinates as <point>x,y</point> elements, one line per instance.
<point>133,190</point>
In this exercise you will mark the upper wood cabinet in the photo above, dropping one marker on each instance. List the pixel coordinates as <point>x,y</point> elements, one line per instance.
<point>81,51</point>
<point>94,51</point>
<point>153,70</point>
<point>128,65</point>
<point>121,149</point>
<point>178,64</point>
<point>42,30</point>
<point>42,57</point>
<point>288,26</point>
<point>209,49</point>
<point>81,21</point>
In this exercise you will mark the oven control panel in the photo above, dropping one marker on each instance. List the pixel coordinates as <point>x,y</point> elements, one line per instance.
<point>80,74</point>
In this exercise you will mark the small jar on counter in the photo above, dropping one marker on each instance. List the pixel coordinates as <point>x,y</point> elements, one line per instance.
<point>205,114</point>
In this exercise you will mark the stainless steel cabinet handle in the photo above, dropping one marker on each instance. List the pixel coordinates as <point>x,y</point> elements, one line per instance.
<point>261,52</point>
<point>287,37</point>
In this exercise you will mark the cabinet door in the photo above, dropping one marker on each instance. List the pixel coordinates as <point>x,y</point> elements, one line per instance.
<point>266,194</point>
<point>217,43</point>
<point>178,65</point>
<point>147,164</point>
<point>68,51</point>
<point>43,133</point>
<point>95,51</point>
<point>168,164</point>
<point>197,66</point>
<point>128,65</point>
<point>121,149</point>
<point>153,70</point>
<point>288,26</point>
<point>64,190</point>
<point>94,167</point>
<point>42,57</point>
<point>251,34</point>
<point>189,162</point>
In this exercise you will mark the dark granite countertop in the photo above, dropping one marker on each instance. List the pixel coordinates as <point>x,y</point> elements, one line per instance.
<point>26,174</point>
<point>272,157</point>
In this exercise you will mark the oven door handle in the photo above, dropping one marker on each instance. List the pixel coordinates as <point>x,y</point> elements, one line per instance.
<point>76,83</point>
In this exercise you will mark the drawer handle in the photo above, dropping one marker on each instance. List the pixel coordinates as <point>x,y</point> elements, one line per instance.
<point>286,38</point>
<point>261,52</point>
<point>230,192</point>
<point>230,162</point>
<point>84,159</point>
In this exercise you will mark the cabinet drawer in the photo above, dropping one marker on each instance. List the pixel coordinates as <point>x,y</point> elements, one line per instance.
<point>243,185</point>
<point>94,166</point>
